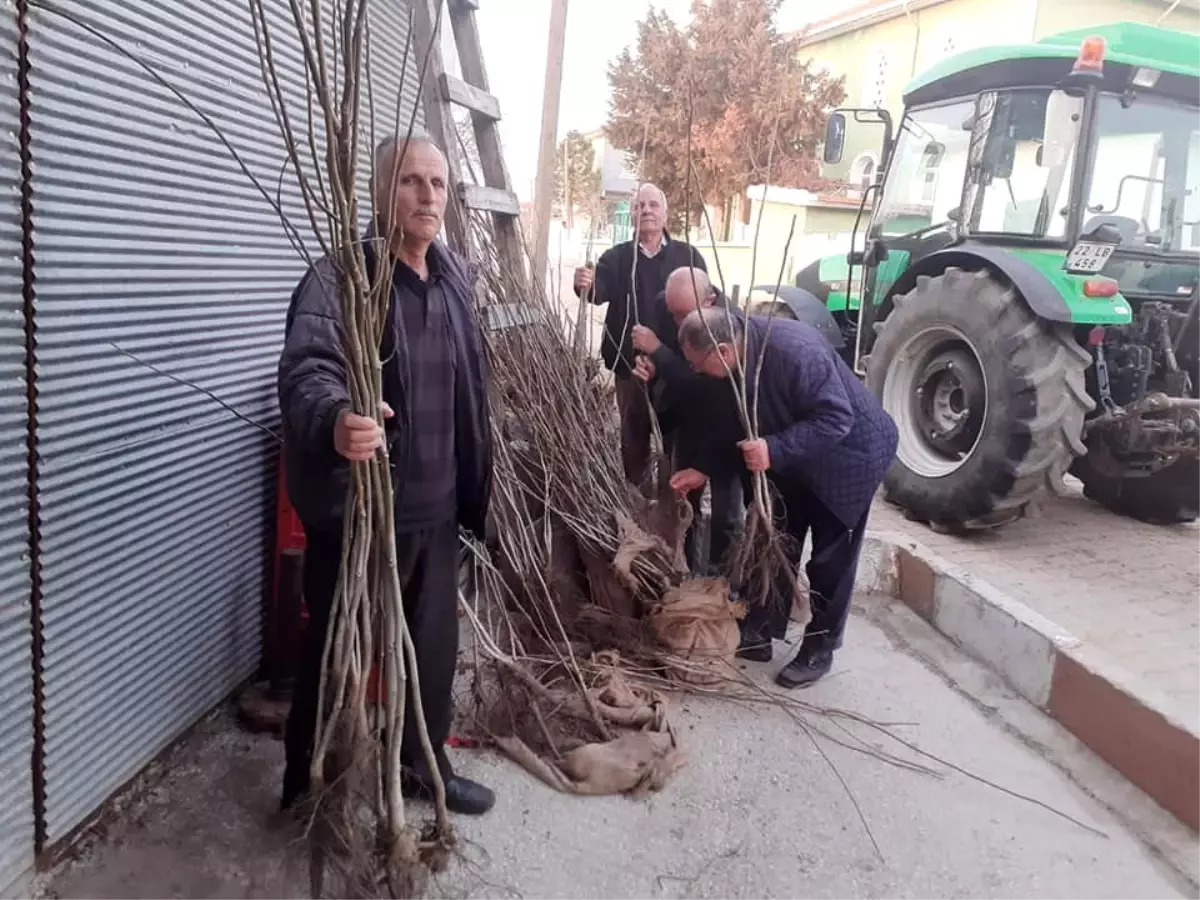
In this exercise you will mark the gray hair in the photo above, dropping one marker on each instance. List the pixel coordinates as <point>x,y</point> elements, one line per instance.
<point>390,149</point>
<point>704,329</point>
<point>662,195</point>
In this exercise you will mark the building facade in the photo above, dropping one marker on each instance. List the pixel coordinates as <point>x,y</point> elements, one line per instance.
<point>618,175</point>
<point>879,46</point>
<point>141,267</point>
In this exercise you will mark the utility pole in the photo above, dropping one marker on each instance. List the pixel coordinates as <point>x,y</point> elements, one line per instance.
<point>568,206</point>
<point>544,189</point>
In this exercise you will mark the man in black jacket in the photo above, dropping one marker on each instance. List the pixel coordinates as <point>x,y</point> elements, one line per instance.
<point>615,282</point>
<point>688,406</point>
<point>438,442</point>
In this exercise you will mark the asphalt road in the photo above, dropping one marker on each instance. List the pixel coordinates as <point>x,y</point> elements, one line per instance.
<point>758,811</point>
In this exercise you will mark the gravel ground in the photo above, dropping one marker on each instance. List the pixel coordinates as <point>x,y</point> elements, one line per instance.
<point>758,811</point>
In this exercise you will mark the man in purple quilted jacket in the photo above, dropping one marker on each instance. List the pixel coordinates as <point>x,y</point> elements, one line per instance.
<point>826,444</point>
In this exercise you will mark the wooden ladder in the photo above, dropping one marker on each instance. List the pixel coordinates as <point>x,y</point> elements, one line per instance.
<point>440,93</point>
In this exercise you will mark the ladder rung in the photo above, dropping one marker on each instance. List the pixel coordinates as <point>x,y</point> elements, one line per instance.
<point>458,91</point>
<point>490,199</point>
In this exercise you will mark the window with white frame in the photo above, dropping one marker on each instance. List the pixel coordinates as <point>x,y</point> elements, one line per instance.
<point>928,173</point>
<point>941,44</point>
<point>862,171</point>
<point>875,77</point>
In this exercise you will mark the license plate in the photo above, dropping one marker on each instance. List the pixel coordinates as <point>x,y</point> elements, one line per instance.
<point>1088,258</point>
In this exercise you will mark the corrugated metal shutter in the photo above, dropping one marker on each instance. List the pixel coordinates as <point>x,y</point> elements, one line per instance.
<point>16,672</point>
<point>155,503</point>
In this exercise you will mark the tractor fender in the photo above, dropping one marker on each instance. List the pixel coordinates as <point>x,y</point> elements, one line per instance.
<point>809,279</point>
<point>809,310</point>
<point>1036,289</point>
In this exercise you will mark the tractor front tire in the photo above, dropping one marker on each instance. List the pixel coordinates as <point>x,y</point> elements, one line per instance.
<point>989,401</point>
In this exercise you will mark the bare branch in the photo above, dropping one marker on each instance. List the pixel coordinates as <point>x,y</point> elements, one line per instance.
<point>195,387</point>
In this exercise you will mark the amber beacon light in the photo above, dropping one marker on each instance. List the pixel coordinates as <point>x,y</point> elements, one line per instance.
<point>1091,56</point>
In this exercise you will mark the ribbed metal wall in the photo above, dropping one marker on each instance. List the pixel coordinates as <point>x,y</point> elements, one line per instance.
<point>16,672</point>
<point>155,502</point>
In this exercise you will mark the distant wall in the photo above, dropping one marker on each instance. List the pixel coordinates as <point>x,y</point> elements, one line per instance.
<point>819,232</point>
<point>879,59</point>
<point>1054,16</point>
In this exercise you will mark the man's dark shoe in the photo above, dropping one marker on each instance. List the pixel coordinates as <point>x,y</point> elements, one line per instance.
<point>463,796</point>
<point>755,649</point>
<point>295,791</point>
<point>289,801</point>
<point>807,667</point>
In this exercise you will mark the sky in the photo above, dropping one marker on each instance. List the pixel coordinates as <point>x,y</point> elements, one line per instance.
<point>514,34</point>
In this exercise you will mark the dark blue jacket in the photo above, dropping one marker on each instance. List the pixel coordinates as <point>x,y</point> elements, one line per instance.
<point>825,431</point>
<point>312,391</point>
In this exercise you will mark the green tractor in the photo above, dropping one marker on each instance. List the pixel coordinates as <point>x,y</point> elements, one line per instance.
<point>1024,301</point>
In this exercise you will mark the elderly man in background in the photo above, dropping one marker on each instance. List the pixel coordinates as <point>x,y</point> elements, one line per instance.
<point>630,297</point>
<point>438,442</point>
<point>826,444</point>
<point>689,408</point>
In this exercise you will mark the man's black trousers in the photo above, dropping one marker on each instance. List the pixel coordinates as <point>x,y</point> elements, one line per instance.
<point>428,564</point>
<point>726,511</point>
<point>724,524</point>
<point>831,570</point>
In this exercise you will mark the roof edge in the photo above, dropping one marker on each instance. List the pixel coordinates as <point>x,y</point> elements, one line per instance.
<point>873,12</point>
<point>1061,46</point>
<point>861,16</point>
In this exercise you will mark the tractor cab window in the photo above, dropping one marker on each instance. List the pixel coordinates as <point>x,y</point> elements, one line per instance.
<point>1018,185</point>
<point>1145,179</point>
<point>925,176</point>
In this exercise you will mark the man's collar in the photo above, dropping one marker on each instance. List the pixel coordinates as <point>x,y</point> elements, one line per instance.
<point>662,243</point>
<point>433,254</point>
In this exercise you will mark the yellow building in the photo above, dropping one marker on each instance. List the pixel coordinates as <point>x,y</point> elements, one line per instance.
<point>880,45</point>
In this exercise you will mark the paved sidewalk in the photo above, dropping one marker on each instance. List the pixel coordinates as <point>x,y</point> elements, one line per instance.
<point>1130,591</point>
<point>1126,592</point>
<point>1091,617</point>
<point>756,812</point>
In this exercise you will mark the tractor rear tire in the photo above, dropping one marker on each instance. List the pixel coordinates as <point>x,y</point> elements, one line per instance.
<point>771,308</point>
<point>1168,496</point>
<point>989,401</point>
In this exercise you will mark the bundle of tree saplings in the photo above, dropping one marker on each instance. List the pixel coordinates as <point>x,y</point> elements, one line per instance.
<point>359,831</point>
<point>584,592</point>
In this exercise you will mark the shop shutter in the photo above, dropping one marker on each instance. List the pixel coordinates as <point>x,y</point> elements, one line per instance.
<point>16,670</point>
<point>155,503</point>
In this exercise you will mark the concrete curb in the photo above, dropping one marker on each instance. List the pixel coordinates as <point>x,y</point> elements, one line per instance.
<point>1048,666</point>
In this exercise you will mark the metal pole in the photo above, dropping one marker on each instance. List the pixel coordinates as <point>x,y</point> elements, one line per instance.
<point>544,189</point>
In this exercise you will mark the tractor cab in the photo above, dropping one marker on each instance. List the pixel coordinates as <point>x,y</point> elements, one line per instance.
<point>1033,236</point>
